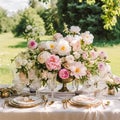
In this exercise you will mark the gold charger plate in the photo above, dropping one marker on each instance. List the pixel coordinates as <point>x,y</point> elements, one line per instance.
<point>18,104</point>
<point>84,101</point>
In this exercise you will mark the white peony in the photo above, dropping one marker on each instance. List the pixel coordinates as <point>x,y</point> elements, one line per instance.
<point>69,59</point>
<point>87,37</point>
<point>50,45</point>
<point>43,56</point>
<point>75,29</point>
<point>63,47</point>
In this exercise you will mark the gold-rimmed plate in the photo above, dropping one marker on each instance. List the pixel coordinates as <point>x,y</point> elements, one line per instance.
<point>82,101</point>
<point>24,102</point>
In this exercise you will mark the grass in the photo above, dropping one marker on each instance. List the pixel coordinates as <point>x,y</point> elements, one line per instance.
<point>11,46</point>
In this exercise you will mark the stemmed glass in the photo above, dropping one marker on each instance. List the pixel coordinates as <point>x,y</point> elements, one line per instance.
<point>76,84</point>
<point>52,84</point>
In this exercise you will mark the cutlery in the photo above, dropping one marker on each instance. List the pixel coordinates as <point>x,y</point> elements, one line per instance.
<point>5,103</point>
<point>65,103</point>
<point>45,103</point>
<point>51,102</point>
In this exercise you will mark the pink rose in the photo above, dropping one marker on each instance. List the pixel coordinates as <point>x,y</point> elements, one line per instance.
<point>64,73</point>
<point>32,44</point>
<point>53,62</point>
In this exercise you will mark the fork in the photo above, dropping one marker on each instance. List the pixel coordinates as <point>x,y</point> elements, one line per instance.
<point>65,101</point>
<point>5,103</point>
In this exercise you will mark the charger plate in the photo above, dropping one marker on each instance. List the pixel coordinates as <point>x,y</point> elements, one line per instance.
<point>84,101</point>
<point>24,102</point>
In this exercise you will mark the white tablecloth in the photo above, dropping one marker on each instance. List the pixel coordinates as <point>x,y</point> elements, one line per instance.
<point>57,112</point>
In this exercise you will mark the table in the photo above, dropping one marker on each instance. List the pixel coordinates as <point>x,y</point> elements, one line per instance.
<point>57,112</point>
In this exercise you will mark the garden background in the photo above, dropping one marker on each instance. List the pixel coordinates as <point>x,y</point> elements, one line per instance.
<point>42,18</point>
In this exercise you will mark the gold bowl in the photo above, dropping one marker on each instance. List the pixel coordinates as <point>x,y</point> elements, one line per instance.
<point>64,82</point>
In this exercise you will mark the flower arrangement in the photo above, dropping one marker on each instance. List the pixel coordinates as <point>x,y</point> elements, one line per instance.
<point>70,57</point>
<point>113,82</point>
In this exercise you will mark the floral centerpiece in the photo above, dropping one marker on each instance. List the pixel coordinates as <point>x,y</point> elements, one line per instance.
<point>113,84</point>
<point>72,57</point>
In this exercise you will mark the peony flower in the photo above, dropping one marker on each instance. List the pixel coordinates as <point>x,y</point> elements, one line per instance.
<point>93,54</point>
<point>70,59</point>
<point>42,46</point>
<point>69,38</point>
<point>76,55</point>
<point>32,44</point>
<point>64,74</point>
<point>117,79</point>
<point>78,70</point>
<point>53,63</point>
<point>63,47</point>
<point>57,36</point>
<point>76,45</point>
<point>103,55</point>
<point>50,45</point>
<point>87,37</point>
<point>43,56</point>
<point>75,29</point>
<point>85,55</point>
<point>101,66</point>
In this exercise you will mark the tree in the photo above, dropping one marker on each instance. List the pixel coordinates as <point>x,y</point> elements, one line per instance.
<point>89,16</point>
<point>33,3</point>
<point>30,25</point>
<point>5,21</point>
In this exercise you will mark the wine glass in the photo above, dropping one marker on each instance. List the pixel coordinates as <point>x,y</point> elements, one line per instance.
<point>75,84</point>
<point>52,84</point>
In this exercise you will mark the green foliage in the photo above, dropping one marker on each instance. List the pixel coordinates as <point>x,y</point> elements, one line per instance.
<point>33,3</point>
<point>51,20</point>
<point>110,8</point>
<point>86,15</point>
<point>45,1</point>
<point>30,18</point>
<point>5,21</point>
<point>116,29</point>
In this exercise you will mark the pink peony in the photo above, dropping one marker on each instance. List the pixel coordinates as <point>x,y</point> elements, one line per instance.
<point>117,79</point>
<point>64,73</point>
<point>53,62</point>
<point>32,44</point>
<point>93,54</point>
<point>84,55</point>
<point>103,55</point>
<point>101,66</point>
<point>57,36</point>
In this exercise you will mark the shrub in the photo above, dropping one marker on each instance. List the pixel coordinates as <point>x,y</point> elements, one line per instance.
<point>30,18</point>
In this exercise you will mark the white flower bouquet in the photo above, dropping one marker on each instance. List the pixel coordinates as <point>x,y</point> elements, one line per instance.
<point>70,57</point>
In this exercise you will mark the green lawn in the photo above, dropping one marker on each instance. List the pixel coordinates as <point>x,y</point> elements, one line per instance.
<point>11,46</point>
<point>114,57</point>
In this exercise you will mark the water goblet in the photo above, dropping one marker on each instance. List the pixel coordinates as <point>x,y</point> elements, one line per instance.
<point>52,84</point>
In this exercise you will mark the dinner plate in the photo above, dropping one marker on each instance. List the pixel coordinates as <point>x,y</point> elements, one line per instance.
<point>25,102</point>
<point>82,100</point>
